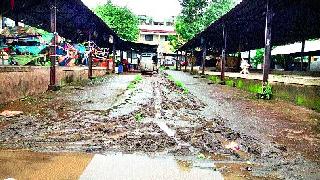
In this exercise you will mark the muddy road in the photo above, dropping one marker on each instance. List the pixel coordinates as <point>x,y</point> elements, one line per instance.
<point>244,138</point>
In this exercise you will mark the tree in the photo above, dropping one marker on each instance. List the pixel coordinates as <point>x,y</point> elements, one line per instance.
<point>120,19</point>
<point>215,10</point>
<point>258,58</point>
<point>196,15</point>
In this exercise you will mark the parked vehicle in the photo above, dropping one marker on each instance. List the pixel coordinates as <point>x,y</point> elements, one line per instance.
<point>169,62</point>
<point>149,63</point>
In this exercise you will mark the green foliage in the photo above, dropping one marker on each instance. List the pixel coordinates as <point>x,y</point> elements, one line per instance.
<point>175,41</point>
<point>136,81</point>
<point>179,84</point>
<point>266,92</point>
<point>138,78</point>
<point>120,19</point>
<point>196,15</point>
<point>240,84</point>
<point>138,117</point>
<point>230,83</point>
<point>214,79</point>
<point>258,58</point>
<point>216,9</point>
<point>300,100</point>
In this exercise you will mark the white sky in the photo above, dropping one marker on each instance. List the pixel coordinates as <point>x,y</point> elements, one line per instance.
<point>158,9</point>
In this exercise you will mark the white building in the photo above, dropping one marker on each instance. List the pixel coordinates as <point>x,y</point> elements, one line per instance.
<point>157,32</point>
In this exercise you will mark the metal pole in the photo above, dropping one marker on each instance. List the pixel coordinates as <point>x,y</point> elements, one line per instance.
<point>177,60</point>
<point>181,56</point>
<point>249,57</point>
<point>185,61</point>
<point>268,46</point>
<point>192,54</point>
<point>204,54</point>
<point>114,56</point>
<point>90,58</point>
<point>131,56</point>
<point>309,63</point>
<point>121,56</point>
<point>302,54</point>
<point>223,60</point>
<point>53,53</point>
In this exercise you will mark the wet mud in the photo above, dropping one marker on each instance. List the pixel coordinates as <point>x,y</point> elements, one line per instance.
<point>154,117</point>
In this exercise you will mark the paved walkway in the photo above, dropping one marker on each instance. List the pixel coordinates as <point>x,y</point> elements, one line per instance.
<point>287,79</point>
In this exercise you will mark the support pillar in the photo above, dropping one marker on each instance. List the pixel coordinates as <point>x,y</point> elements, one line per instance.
<point>1,21</point>
<point>177,60</point>
<point>121,56</point>
<point>181,58</point>
<point>302,54</point>
<point>53,48</point>
<point>114,56</point>
<point>185,61</point>
<point>204,54</point>
<point>224,55</point>
<point>90,58</point>
<point>192,58</point>
<point>268,46</point>
<point>131,56</point>
<point>249,57</point>
<point>309,63</point>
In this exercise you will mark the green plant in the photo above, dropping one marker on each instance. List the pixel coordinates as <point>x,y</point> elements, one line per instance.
<point>240,84</point>
<point>214,79</point>
<point>179,84</point>
<point>132,85</point>
<point>121,19</point>
<point>138,117</point>
<point>266,92</point>
<point>300,100</point>
<point>230,83</point>
<point>136,80</point>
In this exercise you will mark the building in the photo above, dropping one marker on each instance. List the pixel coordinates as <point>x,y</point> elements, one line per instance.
<point>157,32</point>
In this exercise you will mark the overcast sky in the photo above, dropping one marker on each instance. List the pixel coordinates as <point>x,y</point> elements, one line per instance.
<point>158,9</point>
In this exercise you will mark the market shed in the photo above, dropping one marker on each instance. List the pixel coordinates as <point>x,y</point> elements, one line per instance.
<point>74,20</point>
<point>256,24</point>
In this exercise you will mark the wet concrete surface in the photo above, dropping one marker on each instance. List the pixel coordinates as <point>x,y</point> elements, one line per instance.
<point>248,139</point>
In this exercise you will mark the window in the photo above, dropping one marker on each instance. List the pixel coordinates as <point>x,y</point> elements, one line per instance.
<point>148,37</point>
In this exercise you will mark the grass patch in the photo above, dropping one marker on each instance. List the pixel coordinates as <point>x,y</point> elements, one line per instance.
<point>134,83</point>
<point>179,84</point>
<point>139,117</point>
<point>230,83</point>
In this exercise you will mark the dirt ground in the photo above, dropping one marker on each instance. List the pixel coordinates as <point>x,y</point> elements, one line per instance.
<point>246,138</point>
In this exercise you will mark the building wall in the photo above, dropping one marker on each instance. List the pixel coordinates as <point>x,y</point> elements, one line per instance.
<point>18,82</point>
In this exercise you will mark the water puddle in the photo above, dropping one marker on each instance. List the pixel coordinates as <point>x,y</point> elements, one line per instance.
<point>134,167</point>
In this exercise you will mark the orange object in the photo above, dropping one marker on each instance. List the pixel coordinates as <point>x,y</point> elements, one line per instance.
<point>104,64</point>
